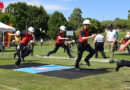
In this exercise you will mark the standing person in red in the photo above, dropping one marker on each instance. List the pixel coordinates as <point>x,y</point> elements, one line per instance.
<point>83,44</point>
<point>60,42</point>
<point>22,46</point>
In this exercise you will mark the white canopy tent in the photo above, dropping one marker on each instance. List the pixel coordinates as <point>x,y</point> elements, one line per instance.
<point>5,28</point>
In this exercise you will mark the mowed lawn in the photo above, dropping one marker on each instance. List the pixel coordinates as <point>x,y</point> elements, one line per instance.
<point>15,80</point>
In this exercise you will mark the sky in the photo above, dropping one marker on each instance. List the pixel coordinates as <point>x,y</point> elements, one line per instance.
<point>97,9</point>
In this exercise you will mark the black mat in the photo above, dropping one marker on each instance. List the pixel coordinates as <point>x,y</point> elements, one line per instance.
<point>68,73</point>
<point>73,74</point>
<point>21,66</point>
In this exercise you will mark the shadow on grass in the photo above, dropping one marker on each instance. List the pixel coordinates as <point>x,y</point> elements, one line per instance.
<point>9,51</point>
<point>6,59</point>
<point>123,54</point>
<point>127,81</point>
<point>22,65</point>
<point>97,69</point>
<point>31,61</point>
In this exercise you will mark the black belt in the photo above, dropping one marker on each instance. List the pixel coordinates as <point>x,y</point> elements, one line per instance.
<point>83,43</point>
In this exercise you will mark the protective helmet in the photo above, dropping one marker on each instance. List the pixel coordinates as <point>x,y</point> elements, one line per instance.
<point>73,40</point>
<point>31,29</point>
<point>86,21</point>
<point>62,28</point>
<point>18,32</point>
<point>127,36</point>
<point>110,26</point>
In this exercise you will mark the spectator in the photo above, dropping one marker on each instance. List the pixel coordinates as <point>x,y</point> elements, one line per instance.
<point>99,44</point>
<point>111,38</point>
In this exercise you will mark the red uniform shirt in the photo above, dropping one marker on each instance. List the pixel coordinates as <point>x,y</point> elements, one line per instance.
<point>125,40</point>
<point>26,39</point>
<point>58,39</point>
<point>83,33</point>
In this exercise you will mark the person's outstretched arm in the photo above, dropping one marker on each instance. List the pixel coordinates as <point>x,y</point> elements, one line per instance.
<point>123,47</point>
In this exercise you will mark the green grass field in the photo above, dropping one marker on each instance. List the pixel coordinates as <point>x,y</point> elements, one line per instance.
<point>112,80</point>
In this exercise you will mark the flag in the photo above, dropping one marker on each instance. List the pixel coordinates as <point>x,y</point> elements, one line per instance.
<point>1,5</point>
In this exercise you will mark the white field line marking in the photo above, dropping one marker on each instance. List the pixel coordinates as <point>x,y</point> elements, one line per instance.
<point>8,87</point>
<point>92,59</point>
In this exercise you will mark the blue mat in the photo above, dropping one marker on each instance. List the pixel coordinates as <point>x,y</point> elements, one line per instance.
<point>44,68</point>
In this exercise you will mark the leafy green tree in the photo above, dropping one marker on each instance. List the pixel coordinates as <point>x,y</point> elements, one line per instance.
<point>56,20</point>
<point>128,22</point>
<point>28,15</point>
<point>7,18</point>
<point>19,11</point>
<point>38,18</point>
<point>75,19</point>
<point>106,23</point>
<point>120,23</point>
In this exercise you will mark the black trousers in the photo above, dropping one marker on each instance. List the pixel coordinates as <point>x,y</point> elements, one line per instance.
<point>24,52</point>
<point>81,48</point>
<point>31,45</point>
<point>116,46</point>
<point>57,47</point>
<point>16,49</point>
<point>99,46</point>
<point>128,49</point>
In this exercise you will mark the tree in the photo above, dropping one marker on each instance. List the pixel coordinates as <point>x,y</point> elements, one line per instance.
<point>75,19</point>
<point>38,18</point>
<point>56,20</point>
<point>120,23</point>
<point>106,23</point>
<point>18,10</point>
<point>128,22</point>
<point>7,18</point>
<point>28,15</point>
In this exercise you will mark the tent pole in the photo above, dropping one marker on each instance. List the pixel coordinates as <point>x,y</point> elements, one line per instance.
<point>3,43</point>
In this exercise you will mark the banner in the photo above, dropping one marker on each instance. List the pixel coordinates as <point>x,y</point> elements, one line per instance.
<point>7,37</point>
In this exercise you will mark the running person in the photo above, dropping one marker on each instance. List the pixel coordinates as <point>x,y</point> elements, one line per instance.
<point>22,46</point>
<point>60,42</point>
<point>83,44</point>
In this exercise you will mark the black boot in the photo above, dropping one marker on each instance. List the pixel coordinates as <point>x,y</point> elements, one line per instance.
<point>71,56</point>
<point>17,63</point>
<point>122,63</point>
<point>15,54</point>
<point>87,62</point>
<point>48,54</point>
<point>119,64</point>
<point>111,61</point>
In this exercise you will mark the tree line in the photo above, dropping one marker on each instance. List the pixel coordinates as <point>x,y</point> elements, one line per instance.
<point>22,15</point>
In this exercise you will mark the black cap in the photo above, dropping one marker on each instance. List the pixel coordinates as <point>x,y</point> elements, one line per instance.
<point>110,26</point>
<point>98,32</point>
